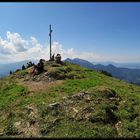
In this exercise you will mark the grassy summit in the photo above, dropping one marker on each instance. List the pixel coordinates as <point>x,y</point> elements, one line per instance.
<point>68,101</point>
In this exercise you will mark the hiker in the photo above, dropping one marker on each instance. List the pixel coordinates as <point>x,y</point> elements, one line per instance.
<point>10,72</point>
<point>58,58</point>
<point>23,67</point>
<point>52,58</point>
<point>30,64</point>
<point>39,67</point>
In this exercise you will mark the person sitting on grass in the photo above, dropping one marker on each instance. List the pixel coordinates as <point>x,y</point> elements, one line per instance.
<point>39,67</point>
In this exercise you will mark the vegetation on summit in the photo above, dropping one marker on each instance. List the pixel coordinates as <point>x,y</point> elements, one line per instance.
<point>67,100</point>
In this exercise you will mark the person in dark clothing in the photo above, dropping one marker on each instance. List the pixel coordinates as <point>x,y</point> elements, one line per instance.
<point>39,67</point>
<point>52,58</point>
<point>23,67</point>
<point>58,58</point>
<point>10,72</point>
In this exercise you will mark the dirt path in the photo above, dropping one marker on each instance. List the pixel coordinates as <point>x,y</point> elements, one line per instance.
<point>39,86</point>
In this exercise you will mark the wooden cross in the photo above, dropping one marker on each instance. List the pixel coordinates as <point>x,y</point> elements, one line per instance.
<point>50,42</point>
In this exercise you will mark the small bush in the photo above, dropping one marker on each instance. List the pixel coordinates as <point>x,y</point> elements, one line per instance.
<point>74,75</point>
<point>71,75</point>
<point>106,73</point>
<point>68,69</point>
<point>57,74</point>
<point>99,116</point>
<point>123,114</point>
<point>55,65</point>
<point>61,69</point>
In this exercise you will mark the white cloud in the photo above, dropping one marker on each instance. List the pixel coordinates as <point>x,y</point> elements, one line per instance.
<point>13,44</point>
<point>18,44</point>
<point>3,47</point>
<point>15,48</point>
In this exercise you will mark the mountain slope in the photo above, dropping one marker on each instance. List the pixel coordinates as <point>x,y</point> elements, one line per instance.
<point>129,65</point>
<point>81,62</point>
<point>67,100</point>
<point>6,68</point>
<point>129,75</point>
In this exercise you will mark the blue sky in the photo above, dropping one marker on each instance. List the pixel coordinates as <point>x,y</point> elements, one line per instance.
<point>108,31</point>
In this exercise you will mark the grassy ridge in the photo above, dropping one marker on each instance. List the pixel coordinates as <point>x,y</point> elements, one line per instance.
<point>13,94</point>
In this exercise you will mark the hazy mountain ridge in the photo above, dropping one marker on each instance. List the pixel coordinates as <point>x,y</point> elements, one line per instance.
<point>129,65</point>
<point>6,68</point>
<point>130,75</point>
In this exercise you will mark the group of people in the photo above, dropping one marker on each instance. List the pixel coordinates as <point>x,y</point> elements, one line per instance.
<point>40,66</point>
<point>57,58</point>
<point>29,64</point>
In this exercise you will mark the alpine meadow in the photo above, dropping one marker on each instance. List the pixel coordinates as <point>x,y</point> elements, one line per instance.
<point>60,74</point>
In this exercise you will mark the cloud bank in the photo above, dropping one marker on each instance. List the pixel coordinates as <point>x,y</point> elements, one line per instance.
<point>14,48</point>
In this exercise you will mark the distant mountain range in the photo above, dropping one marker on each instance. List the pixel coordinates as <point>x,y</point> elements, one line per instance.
<point>130,65</point>
<point>6,68</point>
<point>127,74</point>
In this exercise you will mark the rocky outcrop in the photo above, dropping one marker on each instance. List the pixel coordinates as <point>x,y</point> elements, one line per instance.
<point>81,107</point>
<point>91,107</point>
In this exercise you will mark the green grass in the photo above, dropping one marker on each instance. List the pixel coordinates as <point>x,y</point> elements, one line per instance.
<point>10,92</point>
<point>22,72</point>
<point>72,129</point>
<point>128,109</point>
